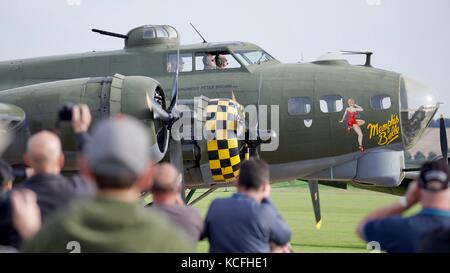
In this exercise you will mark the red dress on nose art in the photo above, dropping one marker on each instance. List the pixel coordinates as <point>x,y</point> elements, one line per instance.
<point>351,119</point>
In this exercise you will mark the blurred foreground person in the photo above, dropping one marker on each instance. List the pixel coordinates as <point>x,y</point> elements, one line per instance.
<point>115,157</point>
<point>54,192</point>
<point>247,221</point>
<point>436,241</point>
<point>167,200</point>
<point>395,233</point>
<point>6,178</point>
<point>6,182</point>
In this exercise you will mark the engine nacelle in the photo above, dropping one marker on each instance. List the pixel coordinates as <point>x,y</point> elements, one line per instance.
<point>105,96</point>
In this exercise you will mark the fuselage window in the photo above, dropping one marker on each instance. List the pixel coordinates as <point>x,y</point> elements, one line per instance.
<point>331,104</point>
<point>380,102</point>
<point>184,63</point>
<point>215,61</point>
<point>299,106</point>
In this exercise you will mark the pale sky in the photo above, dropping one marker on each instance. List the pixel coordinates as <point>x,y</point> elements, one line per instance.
<point>406,36</point>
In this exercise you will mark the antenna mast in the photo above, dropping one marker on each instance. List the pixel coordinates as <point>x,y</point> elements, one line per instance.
<point>204,41</point>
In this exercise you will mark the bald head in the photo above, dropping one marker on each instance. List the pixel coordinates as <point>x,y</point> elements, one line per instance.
<point>44,152</point>
<point>166,180</point>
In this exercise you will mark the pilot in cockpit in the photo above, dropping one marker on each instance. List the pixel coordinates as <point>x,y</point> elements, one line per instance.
<point>221,61</point>
<point>209,61</point>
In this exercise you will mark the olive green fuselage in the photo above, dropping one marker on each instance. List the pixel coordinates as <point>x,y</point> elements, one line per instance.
<point>326,137</point>
<point>303,138</point>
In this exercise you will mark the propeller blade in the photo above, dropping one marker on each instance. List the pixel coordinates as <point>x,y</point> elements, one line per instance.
<point>443,138</point>
<point>253,126</point>
<point>174,98</point>
<point>314,191</point>
<point>176,159</point>
<point>258,103</point>
<point>253,152</point>
<point>411,170</point>
<point>159,112</point>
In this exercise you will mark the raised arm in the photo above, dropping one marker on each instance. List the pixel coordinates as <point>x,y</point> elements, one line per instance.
<point>358,108</point>
<point>345,114</point>
<point>411,198</point>
<point>280,233</point>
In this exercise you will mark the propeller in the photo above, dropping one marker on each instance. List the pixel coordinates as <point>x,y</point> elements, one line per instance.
<point>443,138</point>
<point>169,117</point>
<point>443,143</point>
<point>254,136</point>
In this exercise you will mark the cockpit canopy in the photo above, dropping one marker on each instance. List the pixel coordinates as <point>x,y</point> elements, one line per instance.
<point>418,105</point>
<point>152,35</point>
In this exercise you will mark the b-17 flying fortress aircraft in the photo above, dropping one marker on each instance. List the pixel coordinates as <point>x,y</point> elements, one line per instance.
<point>324,122</point>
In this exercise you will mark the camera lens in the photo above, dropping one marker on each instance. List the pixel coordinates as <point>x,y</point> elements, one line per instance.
<point>65,113</point>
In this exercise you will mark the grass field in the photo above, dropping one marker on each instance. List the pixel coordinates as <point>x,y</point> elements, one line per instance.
<point>341,211</point>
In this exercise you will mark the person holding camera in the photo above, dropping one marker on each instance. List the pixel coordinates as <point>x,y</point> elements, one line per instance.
<point>44,156</point>
<point>397,234</point>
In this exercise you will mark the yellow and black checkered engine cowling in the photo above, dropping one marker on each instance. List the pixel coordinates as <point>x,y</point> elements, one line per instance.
<point>224,129</point>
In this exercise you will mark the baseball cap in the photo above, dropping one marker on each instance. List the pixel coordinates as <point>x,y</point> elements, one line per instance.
<point>6,172</point>
<point>118,147</point>
<point>434,176</point>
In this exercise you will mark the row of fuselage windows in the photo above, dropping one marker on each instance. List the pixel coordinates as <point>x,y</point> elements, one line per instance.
<point>332,104</point>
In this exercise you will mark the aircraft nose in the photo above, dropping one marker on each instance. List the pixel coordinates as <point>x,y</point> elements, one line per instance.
<point>418,105</point>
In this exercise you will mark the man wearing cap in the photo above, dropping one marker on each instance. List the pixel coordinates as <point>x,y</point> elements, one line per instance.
<point>116,159</point>
<point>395,233</point>
<point>167,200</point>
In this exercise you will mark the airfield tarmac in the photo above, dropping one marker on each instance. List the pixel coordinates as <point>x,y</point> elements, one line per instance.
<point>341,211</point>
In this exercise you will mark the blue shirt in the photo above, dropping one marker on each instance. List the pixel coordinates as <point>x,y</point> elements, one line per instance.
<point>239,224</point>
<point>404,235</point>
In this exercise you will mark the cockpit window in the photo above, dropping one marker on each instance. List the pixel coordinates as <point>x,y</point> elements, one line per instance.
<point>254,57</point>
<point>215,61</point>
<point>184,63</point>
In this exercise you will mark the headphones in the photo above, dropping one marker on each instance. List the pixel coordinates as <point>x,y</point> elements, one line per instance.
<point>218,60</point>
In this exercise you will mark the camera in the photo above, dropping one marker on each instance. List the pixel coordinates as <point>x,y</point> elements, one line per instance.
<point>65,112</point>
